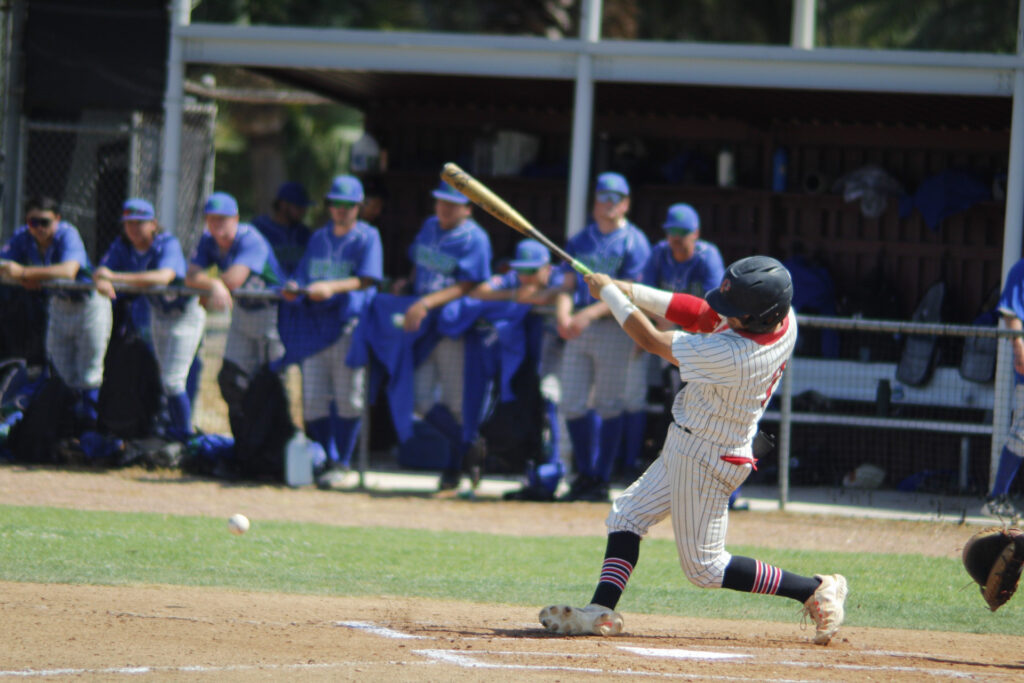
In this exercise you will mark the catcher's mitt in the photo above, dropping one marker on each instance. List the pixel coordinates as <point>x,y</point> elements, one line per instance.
<point>993,558</point>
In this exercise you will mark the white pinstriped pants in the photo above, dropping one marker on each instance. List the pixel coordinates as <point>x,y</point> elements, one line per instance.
<point>691,481</point>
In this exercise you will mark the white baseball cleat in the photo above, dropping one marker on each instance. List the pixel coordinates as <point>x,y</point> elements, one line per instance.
<point>826,606</point>
<point>593,619</point>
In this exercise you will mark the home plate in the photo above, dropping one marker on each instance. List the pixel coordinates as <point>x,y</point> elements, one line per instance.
<point>681,654</point>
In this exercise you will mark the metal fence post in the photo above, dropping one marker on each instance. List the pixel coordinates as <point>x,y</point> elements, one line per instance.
<point>364,432</point>
<point>785,422</point>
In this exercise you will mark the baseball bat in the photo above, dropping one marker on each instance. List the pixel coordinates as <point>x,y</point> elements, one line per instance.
<point>482,196</point>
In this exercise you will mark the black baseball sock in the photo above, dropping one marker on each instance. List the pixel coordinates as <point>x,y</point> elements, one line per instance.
<point>620,557</point>
<point>754,576</point>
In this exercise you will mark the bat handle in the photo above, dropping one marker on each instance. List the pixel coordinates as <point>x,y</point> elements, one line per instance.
<point>580,268</point>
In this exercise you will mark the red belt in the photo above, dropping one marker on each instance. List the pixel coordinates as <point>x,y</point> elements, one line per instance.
<point>740,460</point>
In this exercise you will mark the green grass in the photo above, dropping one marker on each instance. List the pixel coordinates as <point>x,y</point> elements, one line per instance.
<point>50,545</point>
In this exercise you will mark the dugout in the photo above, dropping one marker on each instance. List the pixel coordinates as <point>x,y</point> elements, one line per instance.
<point>667,138</point>
<point>429,97</point>
<point>662,113</point>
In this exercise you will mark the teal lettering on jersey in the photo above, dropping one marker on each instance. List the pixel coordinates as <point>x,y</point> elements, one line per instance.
<point>435,260</point>
<point>600,263</point>
<point>326,269</point>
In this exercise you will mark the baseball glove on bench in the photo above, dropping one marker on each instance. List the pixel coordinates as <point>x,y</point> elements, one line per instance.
<point>993,557</point>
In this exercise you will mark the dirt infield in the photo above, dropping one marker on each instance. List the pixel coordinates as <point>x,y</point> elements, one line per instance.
<point>175,633</point>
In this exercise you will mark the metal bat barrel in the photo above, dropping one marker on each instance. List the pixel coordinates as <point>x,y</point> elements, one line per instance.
<point>487,200</point>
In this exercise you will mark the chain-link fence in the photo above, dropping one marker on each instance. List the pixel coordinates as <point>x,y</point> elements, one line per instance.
<point>91,166</point>
<point>887,405</point>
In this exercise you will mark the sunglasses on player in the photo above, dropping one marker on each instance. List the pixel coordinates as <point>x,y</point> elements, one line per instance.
<point>37,222</point>
<point>609,197</point>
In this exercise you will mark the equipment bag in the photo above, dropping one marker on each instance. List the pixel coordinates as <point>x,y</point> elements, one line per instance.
<point>129,398</point>
<point>978,362</point>
<point>920,352</point>
<point>49,417</point>
<point>513,432</point>
<point>262,428</point>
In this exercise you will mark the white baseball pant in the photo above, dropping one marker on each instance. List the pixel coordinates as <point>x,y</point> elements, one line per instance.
<point>77,334</point>
<point>594,368</point>
<point>253,338</point>
<point>326,377</point>
<point>1015,438</point>
<point>438,379</point>
<point>690,481</point>
<point>176,336</point>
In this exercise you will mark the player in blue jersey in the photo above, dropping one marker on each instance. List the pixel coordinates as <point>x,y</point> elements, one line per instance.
<point>596,358</point>
<point>245,262</point>
<point>283,226</point>
<point>339,272</point>
<point>1011,306</point>
<point>684,263</point>
<point>78,327</point>
<point>144,256</point>
<point>532,281</point>
<point>451,255</point>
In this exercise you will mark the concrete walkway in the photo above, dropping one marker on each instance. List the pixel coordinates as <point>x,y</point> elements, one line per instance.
<point>875,504</point>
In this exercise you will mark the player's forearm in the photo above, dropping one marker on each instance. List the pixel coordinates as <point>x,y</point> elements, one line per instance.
<point>348,284</point>
<point>146,278</point>
<point>235,276</point>
<point>595,311</point>
<point>485,292</point>
<point>58,271</point>
<point>446,295</point>
<point>199,279</point>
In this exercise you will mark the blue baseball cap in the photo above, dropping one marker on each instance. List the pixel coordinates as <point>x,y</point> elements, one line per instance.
<point>221,204</point>
<point>136,209</point>
<point>346,188</point>
<point>447,193</point>
<point>293,193</point>
<point>612,182</point>
<point>530,254</point>
<point>681,218</point>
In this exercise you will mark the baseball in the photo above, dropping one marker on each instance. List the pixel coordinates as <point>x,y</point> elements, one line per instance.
<point>238,524</point>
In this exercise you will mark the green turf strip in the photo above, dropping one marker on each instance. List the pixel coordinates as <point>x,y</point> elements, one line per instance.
<point>51,545</point>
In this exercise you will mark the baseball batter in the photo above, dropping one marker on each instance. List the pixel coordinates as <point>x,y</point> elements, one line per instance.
<point>451,255</point>
<point>146,257</point>
<point>731,353</point>
<point>342,264</point>
<point>78,325</point>
<point>246,263</point>
<point>596,354</point>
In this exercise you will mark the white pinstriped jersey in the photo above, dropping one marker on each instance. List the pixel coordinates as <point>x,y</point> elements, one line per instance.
<point>730,377</point>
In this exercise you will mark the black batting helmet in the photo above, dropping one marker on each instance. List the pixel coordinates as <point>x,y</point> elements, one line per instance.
<point>758,290</point>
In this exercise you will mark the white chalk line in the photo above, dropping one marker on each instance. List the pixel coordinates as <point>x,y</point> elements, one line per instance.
<point>466,659</point>
<point>137,670</point>
<point>382,631</point>
<point>681,654</point>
